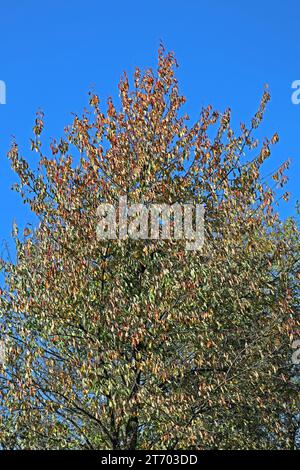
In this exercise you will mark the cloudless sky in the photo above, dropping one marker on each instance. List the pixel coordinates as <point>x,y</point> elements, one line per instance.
<point>53,52</point>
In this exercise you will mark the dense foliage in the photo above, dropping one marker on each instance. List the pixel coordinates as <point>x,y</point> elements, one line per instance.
<point>120,344</point>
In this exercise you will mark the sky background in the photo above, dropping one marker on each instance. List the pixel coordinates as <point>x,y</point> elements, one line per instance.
<point>53,52</point>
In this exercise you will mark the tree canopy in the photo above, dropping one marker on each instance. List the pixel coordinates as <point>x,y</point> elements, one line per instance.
<point>141,344</point>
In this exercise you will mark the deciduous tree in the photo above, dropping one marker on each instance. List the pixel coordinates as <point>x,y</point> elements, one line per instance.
<point>140,344</point>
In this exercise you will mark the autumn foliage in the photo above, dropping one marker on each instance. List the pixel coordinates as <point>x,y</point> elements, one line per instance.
<point>131,344</point>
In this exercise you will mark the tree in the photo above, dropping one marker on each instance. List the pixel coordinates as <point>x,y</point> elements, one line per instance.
<point>125,344</point>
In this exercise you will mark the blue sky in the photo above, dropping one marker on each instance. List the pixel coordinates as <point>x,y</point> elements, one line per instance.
<point>53,52</point>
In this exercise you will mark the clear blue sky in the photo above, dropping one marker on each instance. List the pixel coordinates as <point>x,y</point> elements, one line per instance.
<point>53,52</point>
